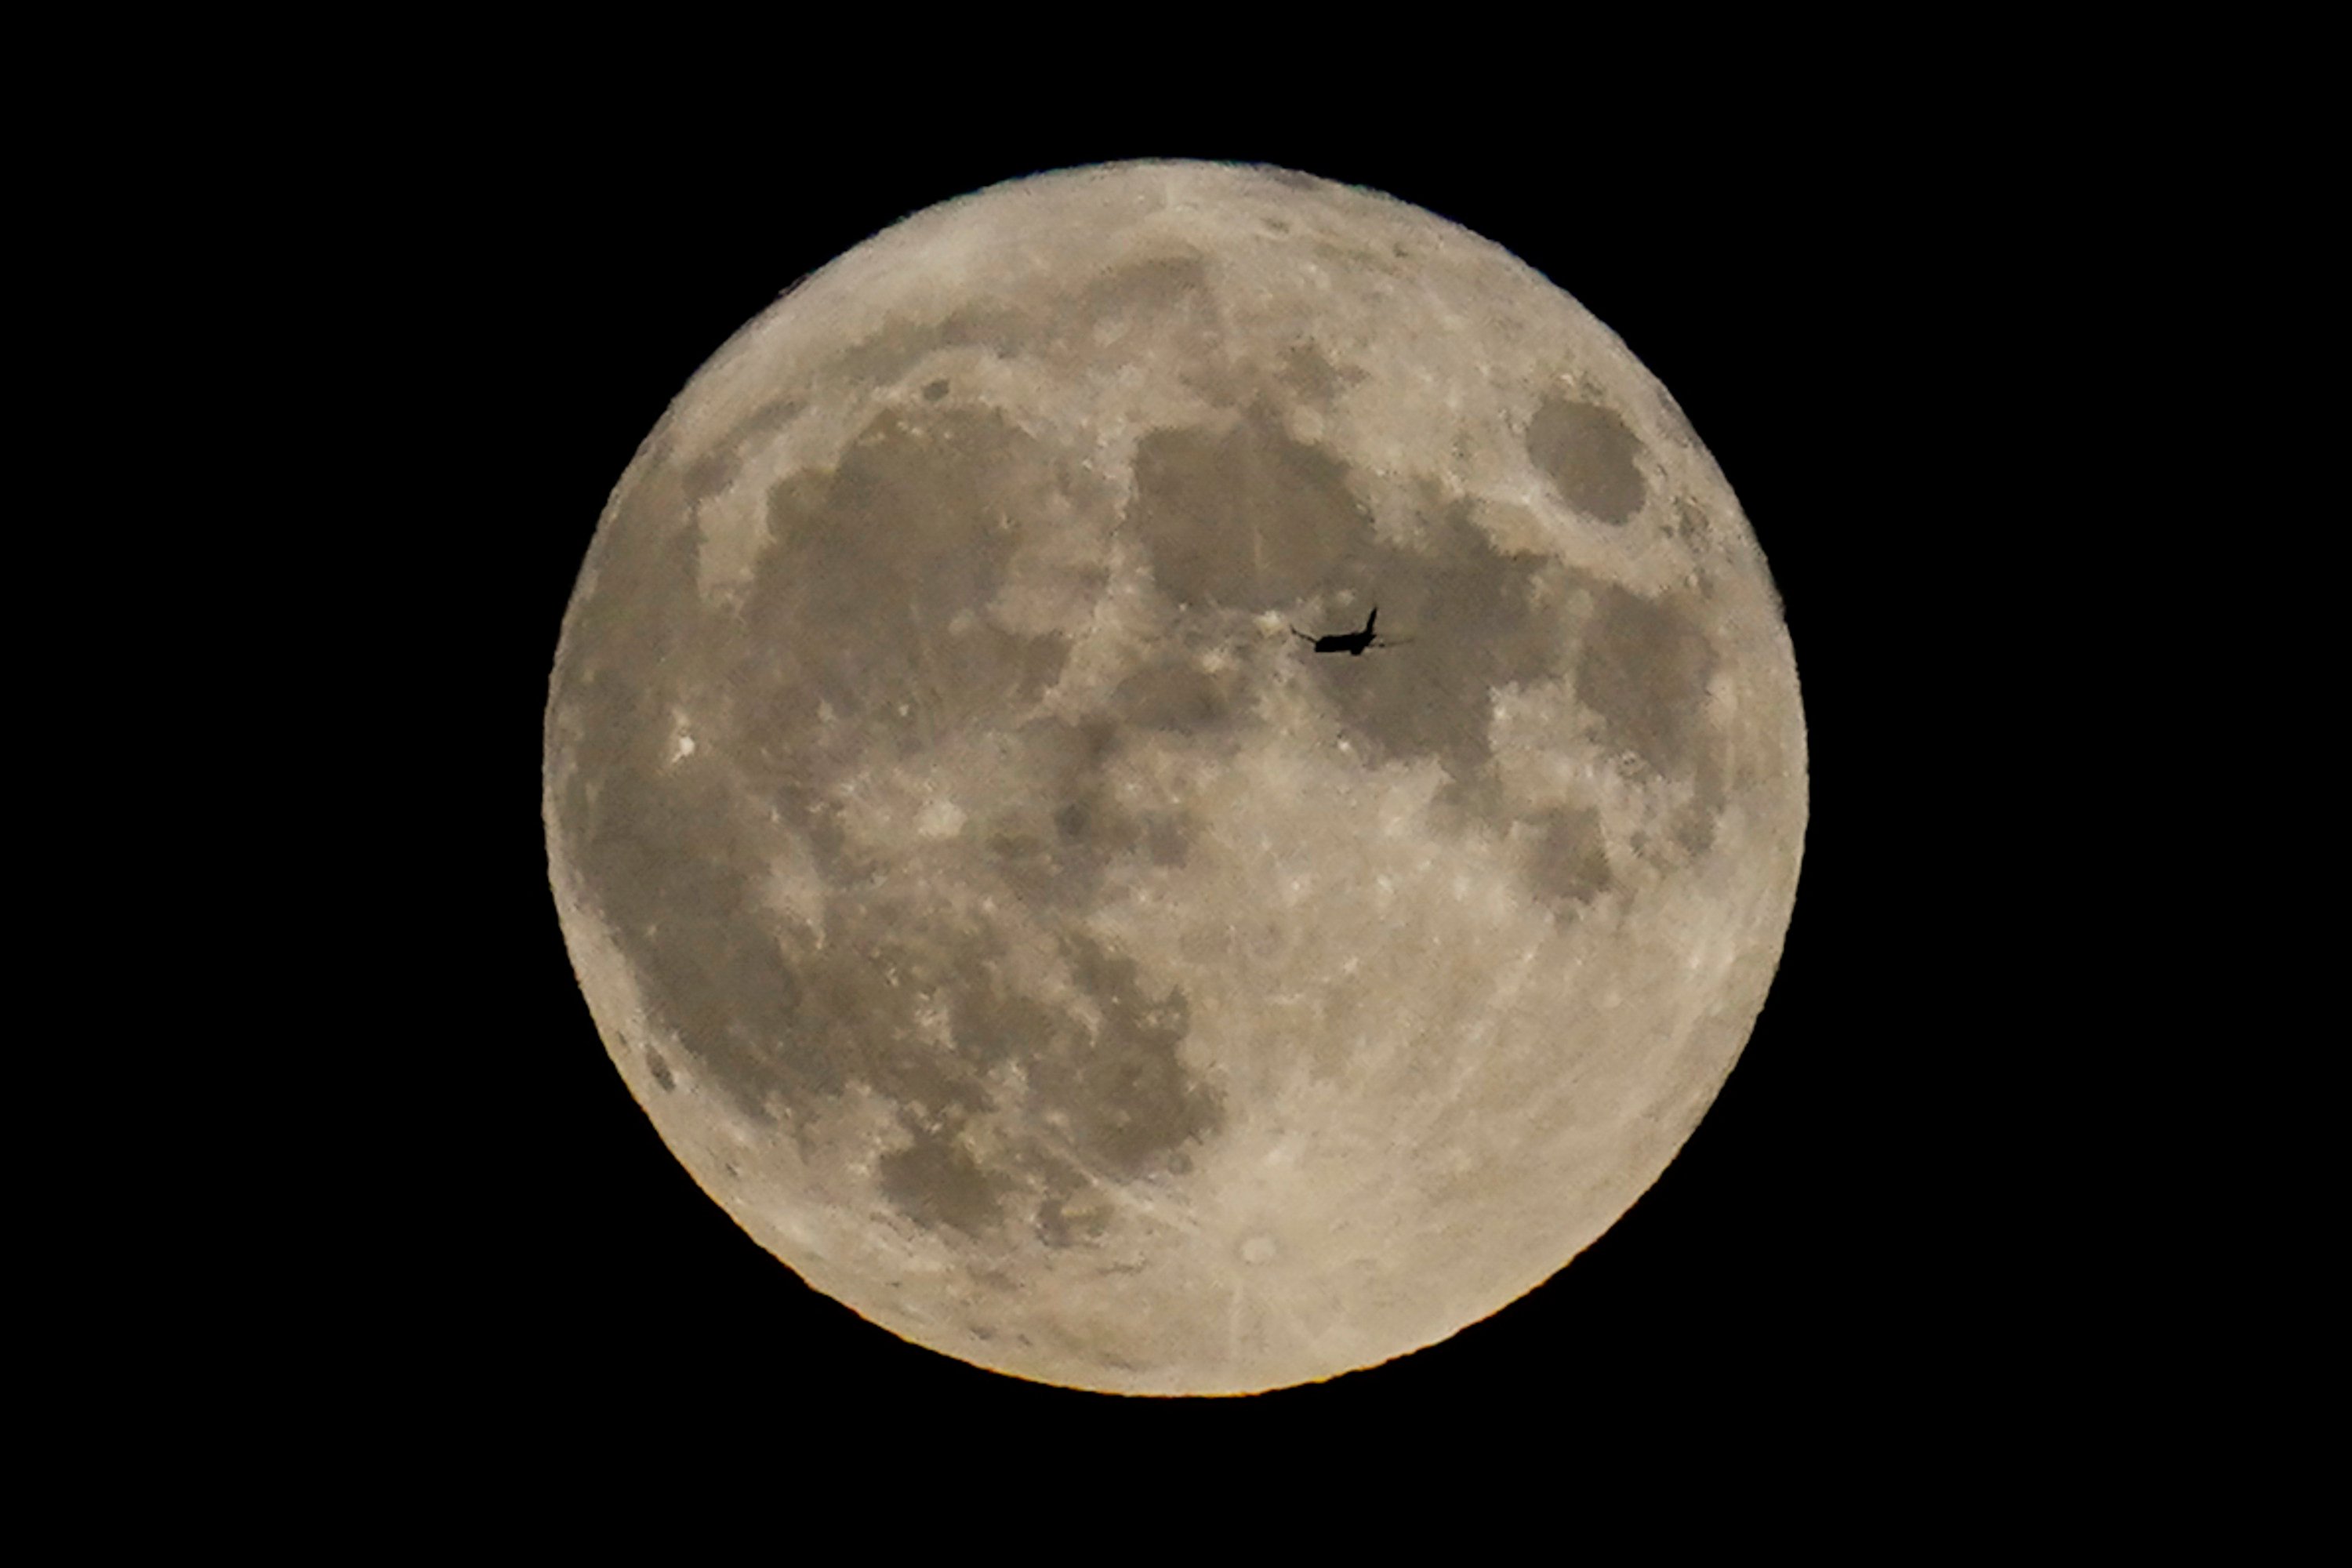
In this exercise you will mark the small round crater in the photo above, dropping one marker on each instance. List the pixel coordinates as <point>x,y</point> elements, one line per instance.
<point>1258,1249</point>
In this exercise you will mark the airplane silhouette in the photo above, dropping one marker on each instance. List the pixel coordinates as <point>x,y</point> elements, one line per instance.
<point>1350,643</point>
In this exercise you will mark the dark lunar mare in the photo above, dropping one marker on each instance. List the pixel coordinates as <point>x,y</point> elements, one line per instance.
<point>1249,519</point>
<point>860,613</point>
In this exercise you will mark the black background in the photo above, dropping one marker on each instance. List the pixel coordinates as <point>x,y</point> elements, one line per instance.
<point>1822,285</point>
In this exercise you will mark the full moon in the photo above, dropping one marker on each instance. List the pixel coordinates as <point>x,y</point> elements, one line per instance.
<point>1015,920</point>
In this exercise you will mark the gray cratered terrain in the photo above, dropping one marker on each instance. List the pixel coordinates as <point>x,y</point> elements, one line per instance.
<point>1038,947</point>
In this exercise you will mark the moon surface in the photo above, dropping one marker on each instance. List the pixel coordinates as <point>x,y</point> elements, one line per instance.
<point>1031,940</point>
